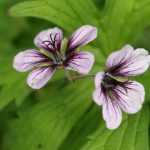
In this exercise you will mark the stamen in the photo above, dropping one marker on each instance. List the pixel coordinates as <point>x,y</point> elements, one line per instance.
<point>51,44</point>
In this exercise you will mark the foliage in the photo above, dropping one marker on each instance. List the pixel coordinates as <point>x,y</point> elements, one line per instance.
<point>62,116</point>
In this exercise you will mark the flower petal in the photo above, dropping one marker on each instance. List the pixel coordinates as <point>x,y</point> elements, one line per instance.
<point>39,77</point>
<point>148,58</point>
<point>46,38</point>
<point>141,51</point>
<point>81,62</point>
<point>128,62</point>
<point>119,56</point>
<point>112,114</point>
<point>132,97</point>
<point>98,96</point>
<point>82,36</point>
<point>98,79</point>
<point>28,59</point>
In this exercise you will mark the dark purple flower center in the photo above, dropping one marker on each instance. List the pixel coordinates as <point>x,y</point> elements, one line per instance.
<point>53,50</point>
<point>110,86</point>
<point>52,47</point>
<point>109,82</point>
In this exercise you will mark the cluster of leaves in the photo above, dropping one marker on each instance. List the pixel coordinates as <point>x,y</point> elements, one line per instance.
<point>62,115</point>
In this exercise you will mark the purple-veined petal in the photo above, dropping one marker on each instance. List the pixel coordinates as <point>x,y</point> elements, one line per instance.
<point>39,77</point>
<point>98,79</point>
<point>81,62</point>
<point>138,63</point>
<point>98,96</point>
<point>82,36</point>
<point>131,97</point>
<point>49,39</point>
<point>119,56</point>
<point>128,62</point>
<point>112,114</point>
<point>28,59</point>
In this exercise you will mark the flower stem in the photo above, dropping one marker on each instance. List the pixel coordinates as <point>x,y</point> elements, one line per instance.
<point>77,77</point>
<point>68,75</point>
<point>83,77</point>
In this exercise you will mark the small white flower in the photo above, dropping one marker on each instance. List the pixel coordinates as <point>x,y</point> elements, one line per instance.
<point>44,63</point>
<point>114,91</point>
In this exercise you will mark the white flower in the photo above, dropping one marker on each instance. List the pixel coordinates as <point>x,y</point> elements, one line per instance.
<point>44,63</point>
<point>114,91</point>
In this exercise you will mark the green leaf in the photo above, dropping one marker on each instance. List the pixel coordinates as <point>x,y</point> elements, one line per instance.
<point>72,124</point>
<point>122,22</point>
<point>16,24</point>
<point>13,86</point>
<point>67,14</point>
<point>48,123</point>
<point>132,135</point>
<point>85,126</point>
<point>113,21</point>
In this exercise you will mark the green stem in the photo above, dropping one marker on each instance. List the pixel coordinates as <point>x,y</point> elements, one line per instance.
<point>68,75</point>
<point>83,77</point>
<point>77,77</point>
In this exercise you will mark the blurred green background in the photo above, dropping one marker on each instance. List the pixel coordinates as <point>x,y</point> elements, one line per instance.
<point>62,116</point>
